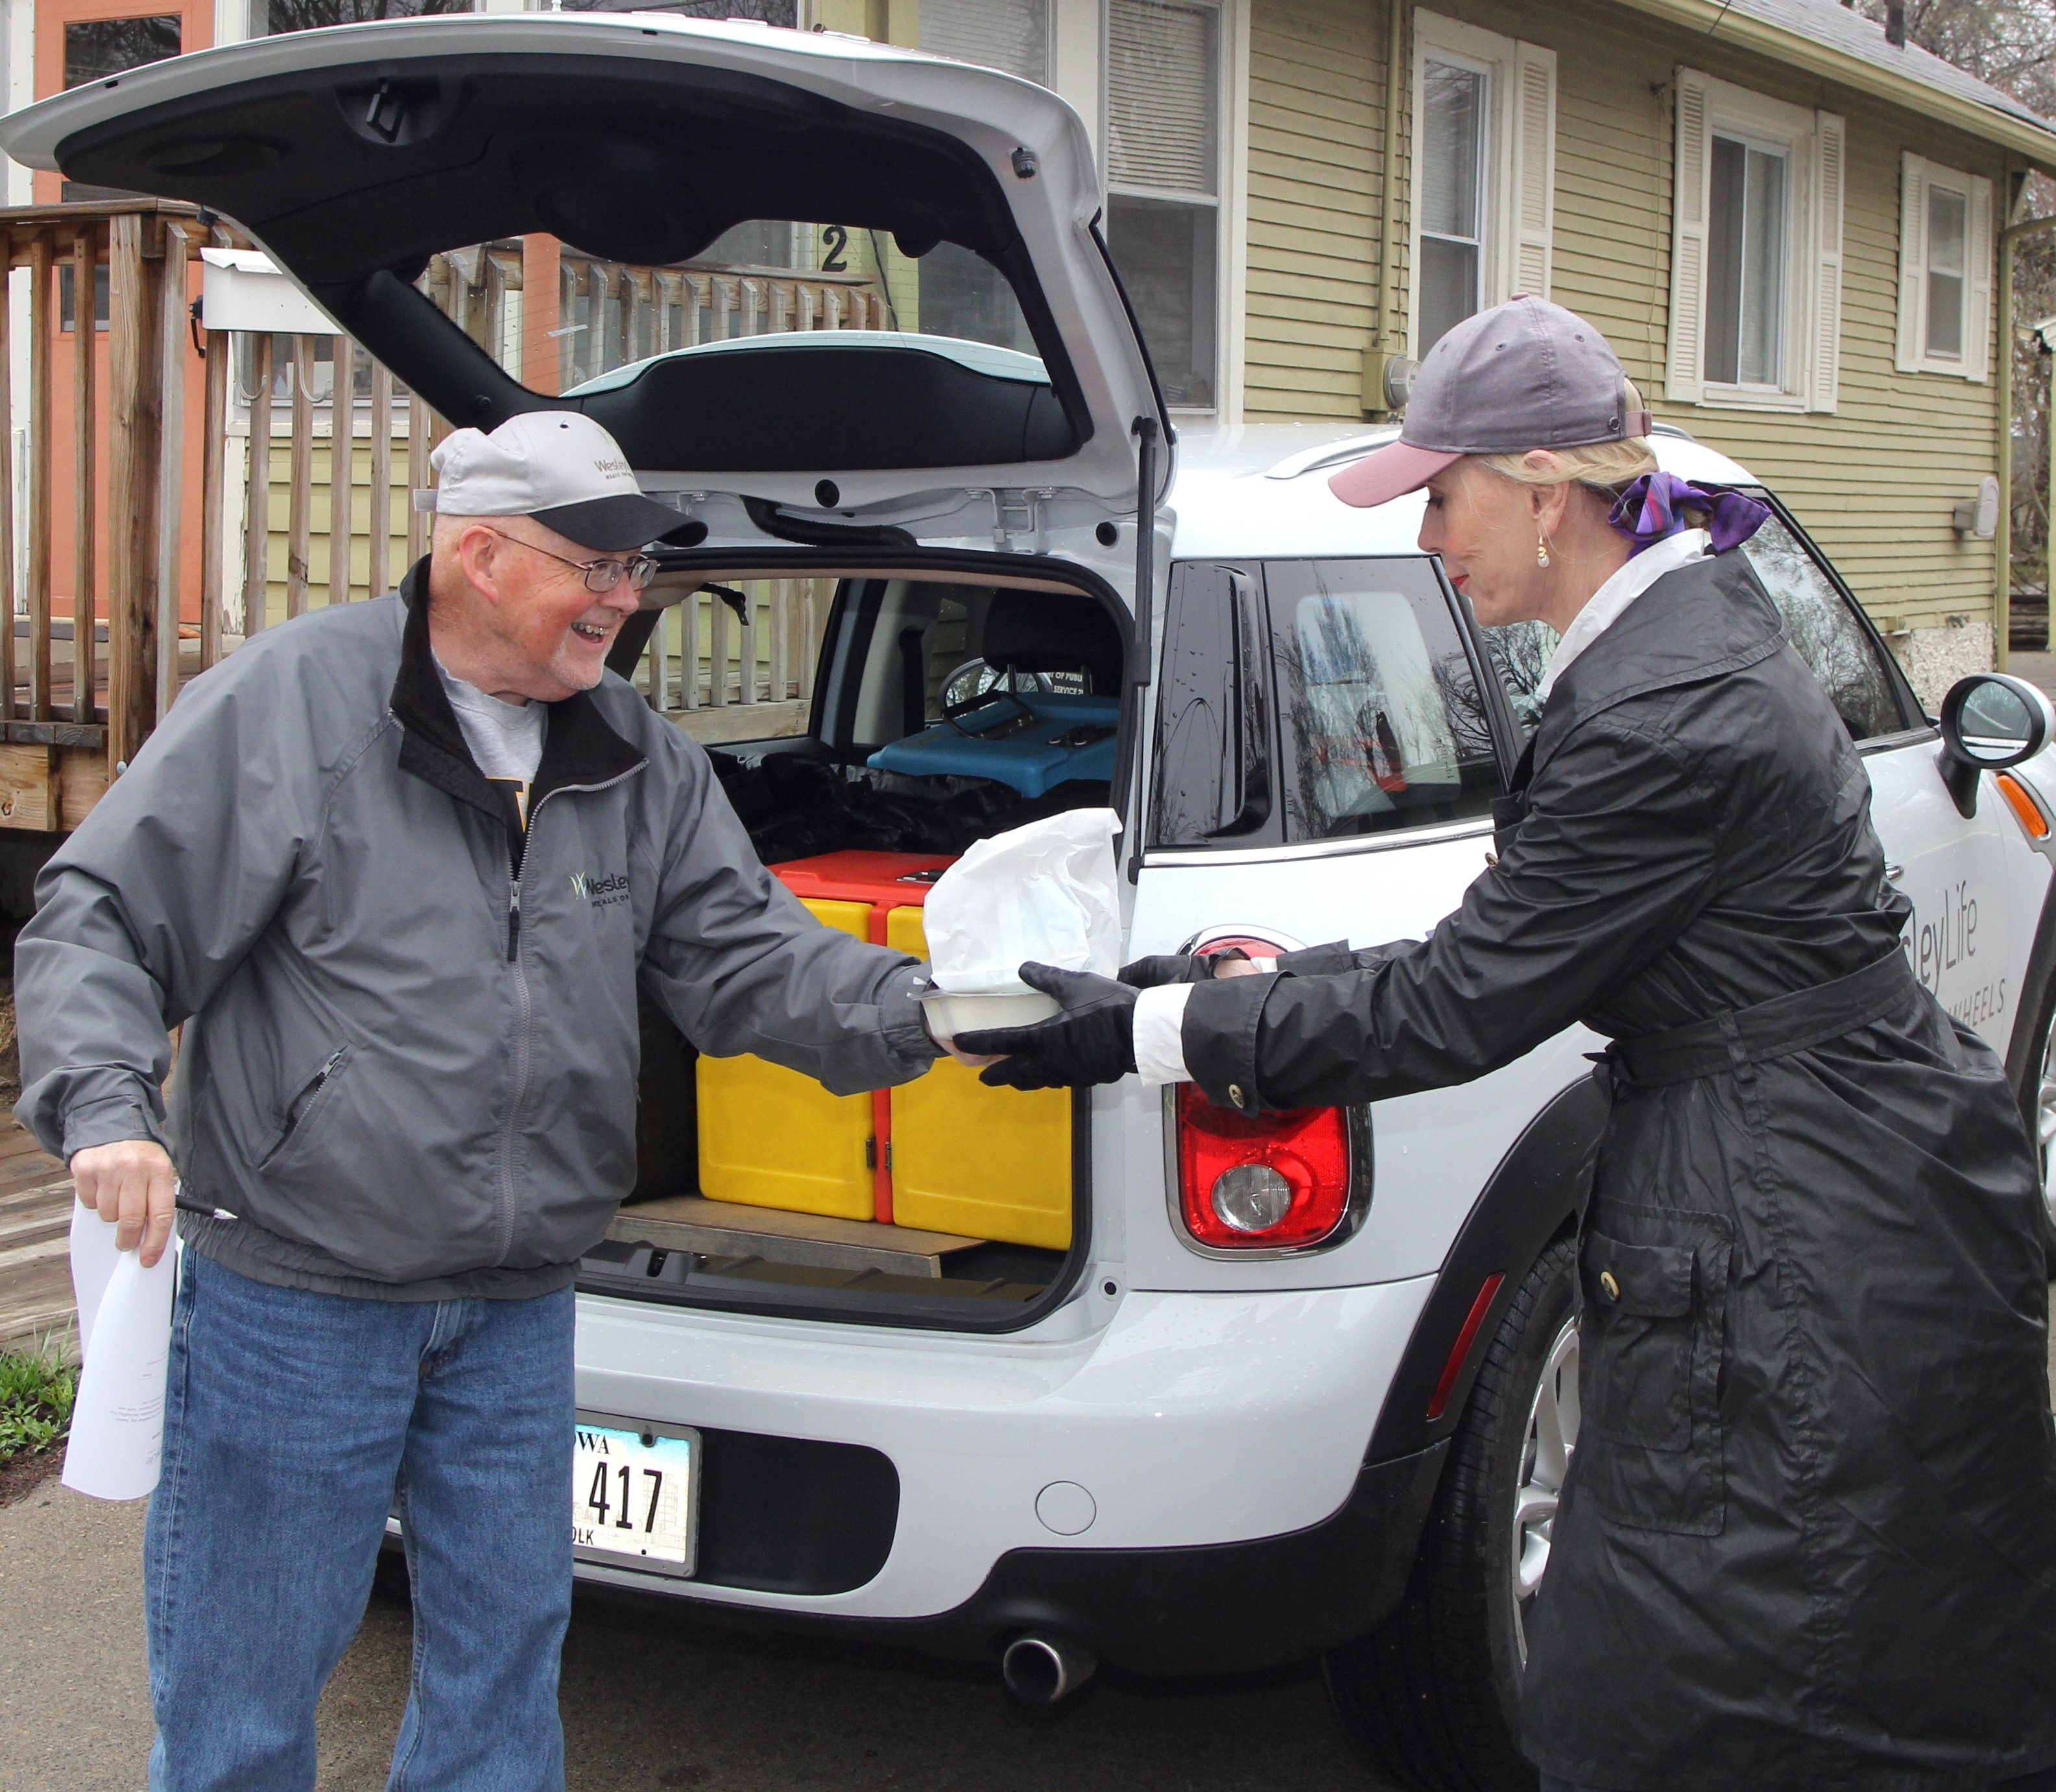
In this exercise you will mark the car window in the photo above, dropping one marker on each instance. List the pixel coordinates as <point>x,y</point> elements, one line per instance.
<point>1384,725</point>
<point>1520,653</point>
<point>1841,651</point>
<point>1212,780</point>
<point>1820,624</point>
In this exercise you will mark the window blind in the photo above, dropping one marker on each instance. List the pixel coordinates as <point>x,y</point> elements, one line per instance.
<point>1162,95</point>
<point>1010,35</point>
<point>1452,133</point>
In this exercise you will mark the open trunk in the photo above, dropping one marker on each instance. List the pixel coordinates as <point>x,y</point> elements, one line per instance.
<point>951,701</point>
<point>846,308</point>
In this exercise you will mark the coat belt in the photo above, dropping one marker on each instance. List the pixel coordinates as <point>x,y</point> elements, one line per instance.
<point>1793,1022</point>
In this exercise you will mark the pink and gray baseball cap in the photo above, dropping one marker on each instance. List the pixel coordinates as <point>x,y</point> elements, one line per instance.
<point>1524,374</point>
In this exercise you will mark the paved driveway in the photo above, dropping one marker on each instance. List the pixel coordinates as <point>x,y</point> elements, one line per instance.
<point>645,1708</point>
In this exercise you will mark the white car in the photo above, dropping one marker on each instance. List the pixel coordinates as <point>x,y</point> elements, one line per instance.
<point>1192,1439</point>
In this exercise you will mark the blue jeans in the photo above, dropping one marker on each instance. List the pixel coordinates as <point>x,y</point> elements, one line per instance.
<point>291,1419</point>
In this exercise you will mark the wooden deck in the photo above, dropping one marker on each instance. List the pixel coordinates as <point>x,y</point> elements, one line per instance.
<point>35,1250</point>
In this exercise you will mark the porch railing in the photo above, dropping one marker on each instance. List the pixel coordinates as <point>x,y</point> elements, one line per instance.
<point>174,491</point>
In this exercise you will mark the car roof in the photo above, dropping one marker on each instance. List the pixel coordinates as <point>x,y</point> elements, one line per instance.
<point>1250,490</point>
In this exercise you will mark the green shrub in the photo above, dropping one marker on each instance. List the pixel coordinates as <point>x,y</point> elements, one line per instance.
<point>36,1392</point>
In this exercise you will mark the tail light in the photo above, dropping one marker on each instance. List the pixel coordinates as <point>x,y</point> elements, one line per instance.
<point>1263,1182</point>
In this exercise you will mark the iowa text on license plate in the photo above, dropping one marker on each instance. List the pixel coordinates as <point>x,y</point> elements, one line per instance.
<point>632,1496</point>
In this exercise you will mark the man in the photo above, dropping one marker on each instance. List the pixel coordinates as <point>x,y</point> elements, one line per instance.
<point>398,868</point>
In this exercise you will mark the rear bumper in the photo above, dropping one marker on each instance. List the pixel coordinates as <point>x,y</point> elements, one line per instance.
<point>1223,1608</point>
<point>1211,1448</point>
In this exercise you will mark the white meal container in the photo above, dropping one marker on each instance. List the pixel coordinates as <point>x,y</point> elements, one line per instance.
<point>950,1014</point>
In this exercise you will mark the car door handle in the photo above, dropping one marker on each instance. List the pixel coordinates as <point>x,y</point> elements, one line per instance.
<point>1893,873</point>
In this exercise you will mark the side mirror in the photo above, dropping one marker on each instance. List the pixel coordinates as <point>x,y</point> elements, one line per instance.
<point>1989,722</point>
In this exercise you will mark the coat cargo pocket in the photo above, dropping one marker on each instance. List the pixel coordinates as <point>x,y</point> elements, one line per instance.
<point>303,1110</point>
<point>1655,1302</point>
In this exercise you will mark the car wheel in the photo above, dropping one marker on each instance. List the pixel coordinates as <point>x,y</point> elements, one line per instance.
<point>2037,1108</point>
<point>2045,1124</point>
<point>1432,1697</point>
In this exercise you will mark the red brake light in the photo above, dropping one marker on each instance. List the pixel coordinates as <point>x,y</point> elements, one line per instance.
<point>1264,1182</point>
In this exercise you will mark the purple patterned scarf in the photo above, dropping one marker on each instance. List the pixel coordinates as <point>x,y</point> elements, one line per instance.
<point>1653,507</point>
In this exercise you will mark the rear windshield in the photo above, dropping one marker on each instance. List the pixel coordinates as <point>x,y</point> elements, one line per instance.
<point>781,346</point>
<point>556,317</point>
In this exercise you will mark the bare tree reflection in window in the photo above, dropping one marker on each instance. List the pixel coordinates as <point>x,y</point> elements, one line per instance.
<point>1387,725</point>
<point>1820,625</point>
<point>271,18</point>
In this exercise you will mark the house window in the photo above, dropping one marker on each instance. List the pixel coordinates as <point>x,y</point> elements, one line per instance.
<point>1162,210</point>
<point>1756,279</point>
<point>96,48</point>
<point>1453,117</point>
<point>958,293</point>
<point>1484,172</point>
<point>269,18</point>
<point>1746,256</point>
<point>1945,255</point>
<point>1011,35</point>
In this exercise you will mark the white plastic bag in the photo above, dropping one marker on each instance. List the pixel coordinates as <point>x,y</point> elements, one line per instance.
<point>117,1421</point>
<point>1048,891</point>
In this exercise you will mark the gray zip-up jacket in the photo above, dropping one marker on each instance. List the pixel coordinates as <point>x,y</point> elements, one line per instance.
<point>409,1066</point>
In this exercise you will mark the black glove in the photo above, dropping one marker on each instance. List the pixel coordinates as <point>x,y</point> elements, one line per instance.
<point>1092,1041</point>
<point>1176,967</point>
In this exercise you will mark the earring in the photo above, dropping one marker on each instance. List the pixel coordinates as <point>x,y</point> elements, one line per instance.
<point>1541,550</point>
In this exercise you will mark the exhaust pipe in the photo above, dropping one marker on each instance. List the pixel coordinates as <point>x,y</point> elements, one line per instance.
<point>1042,1670</point>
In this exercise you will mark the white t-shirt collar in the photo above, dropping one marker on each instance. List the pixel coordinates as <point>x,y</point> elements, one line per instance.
<point>1605,605</point>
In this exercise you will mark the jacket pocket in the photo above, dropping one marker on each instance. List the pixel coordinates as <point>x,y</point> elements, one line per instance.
<point>1656,1306</point>
<point>304,1110</point>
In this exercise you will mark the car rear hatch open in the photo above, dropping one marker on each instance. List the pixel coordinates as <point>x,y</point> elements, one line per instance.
<point>999,404</point>
<point>941,442</point>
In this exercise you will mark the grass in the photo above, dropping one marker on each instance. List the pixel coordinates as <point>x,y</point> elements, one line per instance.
<point>35,1393</point>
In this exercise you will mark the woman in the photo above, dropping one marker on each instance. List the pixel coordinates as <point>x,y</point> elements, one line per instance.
<point>1810,1538</point>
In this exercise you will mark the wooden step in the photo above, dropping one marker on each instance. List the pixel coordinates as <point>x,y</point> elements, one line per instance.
<point>727,1228</point>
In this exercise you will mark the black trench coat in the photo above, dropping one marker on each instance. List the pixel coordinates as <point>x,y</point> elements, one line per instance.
<point>1808,1538</point>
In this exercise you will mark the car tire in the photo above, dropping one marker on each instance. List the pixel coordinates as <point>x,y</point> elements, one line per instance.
<point>2037,1108</point>
<point>1431,1697</point>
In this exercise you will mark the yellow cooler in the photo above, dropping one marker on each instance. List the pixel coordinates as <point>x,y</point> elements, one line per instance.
<point>772,1137</point>
<point>991,1163</point>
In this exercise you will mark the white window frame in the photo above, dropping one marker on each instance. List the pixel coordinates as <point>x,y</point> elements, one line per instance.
<point>1816,143</point>
<point>1228,200</point>
<point>1916,176</point>
<point>1517,168</point>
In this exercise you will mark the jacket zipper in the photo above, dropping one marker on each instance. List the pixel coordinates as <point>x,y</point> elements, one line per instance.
<point>524,1019</point>
<point>523,1026</point>
<point>297,1110</point>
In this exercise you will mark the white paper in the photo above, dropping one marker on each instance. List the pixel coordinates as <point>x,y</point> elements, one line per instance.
<point>117,1420</point>
<point>1048,891</point>
<point>92,1260</point>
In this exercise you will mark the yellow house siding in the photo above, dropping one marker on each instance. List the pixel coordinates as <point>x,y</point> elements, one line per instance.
<point>1316,94</point>
<point>1873,482</point>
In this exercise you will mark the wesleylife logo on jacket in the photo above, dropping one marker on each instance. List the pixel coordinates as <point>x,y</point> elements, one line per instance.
<point>600,891</point>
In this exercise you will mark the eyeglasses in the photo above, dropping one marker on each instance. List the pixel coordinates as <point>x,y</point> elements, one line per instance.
<point>600,576</point>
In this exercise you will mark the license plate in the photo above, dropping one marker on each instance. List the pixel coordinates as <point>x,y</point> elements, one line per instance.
<point>635,1495</point>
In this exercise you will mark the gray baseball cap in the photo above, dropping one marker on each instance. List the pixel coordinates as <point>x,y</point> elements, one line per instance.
<point>1524,374</point>
<point>557,466</point>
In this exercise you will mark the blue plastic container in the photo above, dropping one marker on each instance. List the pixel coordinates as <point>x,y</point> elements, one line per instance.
<point>1031,742</point>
